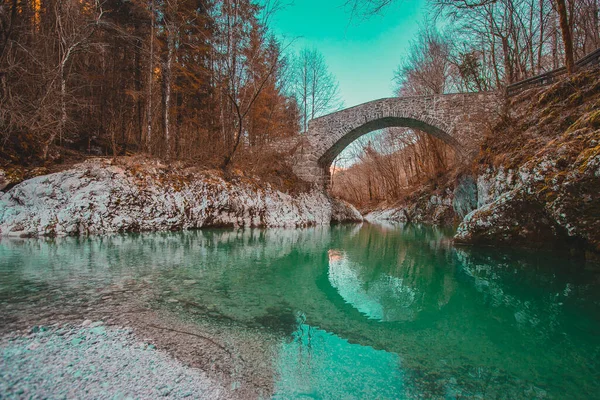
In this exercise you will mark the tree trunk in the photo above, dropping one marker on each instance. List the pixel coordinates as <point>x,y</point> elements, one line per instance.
<point>541,39</point>
<point>150,78</point>
<point>63,104</point>
<point>508,65</point>
<point>554,44</point>
<point>166,92</point>
<point>561,8</point>
<point>305,95</point>
<point>138,87</point>
<point>6,34</point>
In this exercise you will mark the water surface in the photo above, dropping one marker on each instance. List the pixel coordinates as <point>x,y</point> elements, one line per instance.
<point>359,311</point>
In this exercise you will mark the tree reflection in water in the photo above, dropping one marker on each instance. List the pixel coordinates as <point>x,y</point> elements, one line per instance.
<point>432,319</point>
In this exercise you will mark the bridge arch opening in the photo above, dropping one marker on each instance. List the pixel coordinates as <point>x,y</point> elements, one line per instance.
<point>387,164</point>
<point>437,130</point>
<point>416,130</point>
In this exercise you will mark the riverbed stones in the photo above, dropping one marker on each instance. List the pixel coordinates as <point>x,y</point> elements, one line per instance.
<point>89,363</point>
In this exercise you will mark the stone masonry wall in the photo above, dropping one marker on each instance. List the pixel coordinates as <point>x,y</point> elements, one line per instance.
<point>457,119</point>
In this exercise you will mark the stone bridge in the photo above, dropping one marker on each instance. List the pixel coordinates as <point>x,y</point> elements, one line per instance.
<point>457,119</point>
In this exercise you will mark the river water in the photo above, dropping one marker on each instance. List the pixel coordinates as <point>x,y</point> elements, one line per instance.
<point>356,311</point>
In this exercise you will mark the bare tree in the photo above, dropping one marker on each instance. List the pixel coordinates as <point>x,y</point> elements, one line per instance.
<point>365,8</point>
<point>150,78</point>
<point>314,87</point>
<point>426,69</point>
<point>170,13</point>
<point>72,38</point>
<point>247,67</point>
<point>387,165</point>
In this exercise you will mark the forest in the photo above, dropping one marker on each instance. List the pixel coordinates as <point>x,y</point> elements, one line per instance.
<point>207,81</point>
<point>204,81</point>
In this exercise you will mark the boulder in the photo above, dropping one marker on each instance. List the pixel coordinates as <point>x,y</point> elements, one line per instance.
<point>514,218</point>
<point>342,211</point>
<point>552,200</point>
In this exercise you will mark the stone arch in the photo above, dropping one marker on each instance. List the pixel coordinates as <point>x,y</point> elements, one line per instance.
<point>457,119</point>
<point>431,127</point>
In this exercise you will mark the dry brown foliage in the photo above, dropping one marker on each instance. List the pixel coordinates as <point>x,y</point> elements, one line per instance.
<point>381,175</point>
<point>540,115</point>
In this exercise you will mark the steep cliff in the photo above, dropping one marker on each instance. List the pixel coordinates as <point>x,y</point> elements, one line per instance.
<point>539,171</point>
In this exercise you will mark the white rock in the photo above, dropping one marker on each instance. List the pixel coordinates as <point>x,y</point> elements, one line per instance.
<point>96,197</point>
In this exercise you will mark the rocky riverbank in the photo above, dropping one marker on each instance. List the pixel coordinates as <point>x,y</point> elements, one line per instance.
<point>100,196</point>
<point>539,171</point>
<point>536,181</point>
<point>443,204</point>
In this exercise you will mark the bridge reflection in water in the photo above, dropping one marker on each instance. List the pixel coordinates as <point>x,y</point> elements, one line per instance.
<point>355,310</point>
<point>386,298</point>
<point>321,365</point>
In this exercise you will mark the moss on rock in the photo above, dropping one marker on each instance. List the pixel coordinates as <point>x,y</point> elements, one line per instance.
<point>554,143</point>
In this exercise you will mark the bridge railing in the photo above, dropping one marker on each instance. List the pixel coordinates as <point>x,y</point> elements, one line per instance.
<point>549,77</point>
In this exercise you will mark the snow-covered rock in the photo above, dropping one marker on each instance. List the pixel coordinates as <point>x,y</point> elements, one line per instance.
<point>97,197</point>
<point>492,183</point>
<point>426,208</point>
<point>396,214</point>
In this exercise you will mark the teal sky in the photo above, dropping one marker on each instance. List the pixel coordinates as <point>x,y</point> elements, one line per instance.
<point>362,54</point>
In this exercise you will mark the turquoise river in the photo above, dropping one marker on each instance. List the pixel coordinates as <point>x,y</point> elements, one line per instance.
<point>352,311</point>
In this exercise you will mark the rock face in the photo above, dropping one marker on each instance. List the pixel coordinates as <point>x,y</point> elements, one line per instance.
<point>426,208</point>
<point>96,197</point>
<point>465,196</point>
<point>551,200</point>
<point>342,211</point>
<point>514,217</point>
<point>539,175</point>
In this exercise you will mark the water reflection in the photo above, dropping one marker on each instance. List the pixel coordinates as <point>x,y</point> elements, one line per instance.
<point>320,365</point>
<point>399,307</point>
<point>384,298</point>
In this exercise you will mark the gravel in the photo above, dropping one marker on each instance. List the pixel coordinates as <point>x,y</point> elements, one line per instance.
<point>94,361</point>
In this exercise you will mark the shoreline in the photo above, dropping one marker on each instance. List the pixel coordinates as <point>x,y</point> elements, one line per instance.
<point>99,197</point>
<point>230,361</point>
